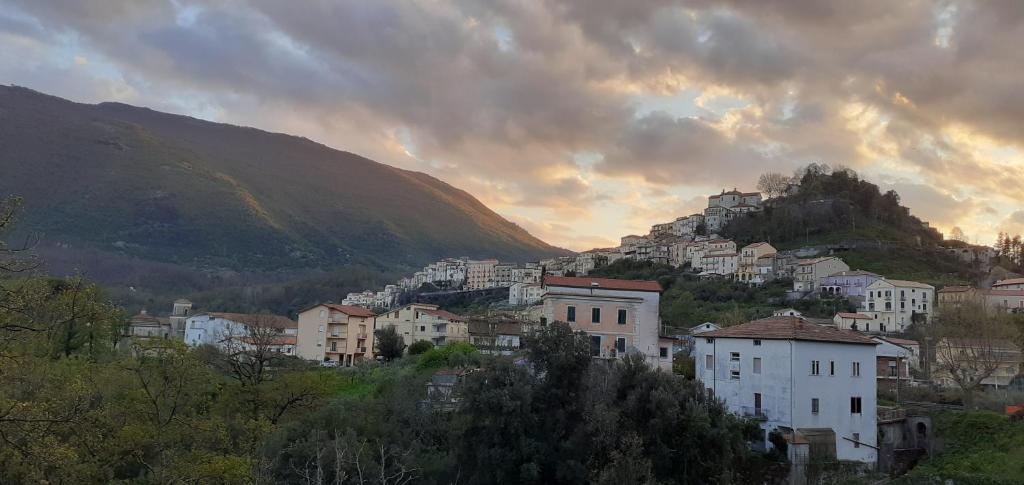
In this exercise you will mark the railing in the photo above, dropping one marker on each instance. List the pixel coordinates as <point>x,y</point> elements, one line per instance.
<point>887,415</point>
<point>753,412</point>
<point>361,335</point>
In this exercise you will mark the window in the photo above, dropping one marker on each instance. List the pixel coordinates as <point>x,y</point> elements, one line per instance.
<point>856,369</point>
<point>734,356</point>
<point>757,343</point>
<point>595,345</point>
<point>620,344</point>
<point>855,405</point>
<point>321,329</point>
<point>734,374</point>
<point>892,369</point>
<point>709,362</point>
<point>856,440</point>
<point>595,315</point>
<point>334,346</point>
<point>709,340</point>
<point>323,313</point>
<point>757,403</point>
<point>757,365</point>
<point>831,367</point>
<point>622,316</point>
<point>570,314</point>
<point>663,352</point>
<point>814,405</point>
<point>815,368</point>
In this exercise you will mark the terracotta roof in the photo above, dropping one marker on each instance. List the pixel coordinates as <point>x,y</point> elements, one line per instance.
<point>855,316</point>
<point>1011,281</point>
<point>275,320</point>
<point>789,328</point>
<point>856,272</point>
<point>604,283</point>
<point>144,319</point>
<point>805,262</point>
<point>908,284</point>
<point>955,289</point>
<point>755,245</point>
<point>899,341</point>
<point>444,314</point>
<point>355,311</point>
<point>277,340</point>
<point>1005,292</point>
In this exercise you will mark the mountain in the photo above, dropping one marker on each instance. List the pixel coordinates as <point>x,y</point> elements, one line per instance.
<point>127,183</point>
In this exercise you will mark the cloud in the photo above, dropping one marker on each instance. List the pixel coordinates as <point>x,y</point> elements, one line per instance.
<point>498,97</point>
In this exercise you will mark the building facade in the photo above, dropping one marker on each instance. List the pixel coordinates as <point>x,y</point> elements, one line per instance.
<point>619,316</point>
<point>420,321</point>
<point>894,304</point>
<point>339,333</point>
<point>798,378</point>
<point>809,272</point>
<point>749,270</point>
<point>236,331</point>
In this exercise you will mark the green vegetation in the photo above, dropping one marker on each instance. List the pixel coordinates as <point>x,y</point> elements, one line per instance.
<point>458,354</point>
<point>831,207</point>
<point>420,347</point>
<point>978,448</point>
<point>167,192</point>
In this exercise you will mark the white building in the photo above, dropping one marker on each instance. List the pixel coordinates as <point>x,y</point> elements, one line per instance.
<point>520,294</point>
<point>894,304</point>
<point>620,316</point>
<point>233,330</point>
<point>1009,284</point>
<point>724,207</point>
<point>796,377</point>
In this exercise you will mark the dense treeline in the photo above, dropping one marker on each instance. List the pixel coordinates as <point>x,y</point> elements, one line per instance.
<point>1011,251</point>
<point>825,205</point>
<point>556,417</point>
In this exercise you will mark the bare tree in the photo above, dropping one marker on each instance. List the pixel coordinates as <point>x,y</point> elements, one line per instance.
<point>252,345</point>
<point>973,344</point>
<point>773,184</point>
<point>958,234</point>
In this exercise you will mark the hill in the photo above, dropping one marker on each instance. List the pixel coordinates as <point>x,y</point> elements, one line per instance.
<point>110,185</point>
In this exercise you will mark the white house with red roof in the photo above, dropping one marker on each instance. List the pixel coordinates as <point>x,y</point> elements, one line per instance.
<point>810,382</point>
<point>853,321</point>
<point>339,333</point>
<point>619,316</point>
<point>894,304</point>
<point>1009,284</point>
<point>233,330</point>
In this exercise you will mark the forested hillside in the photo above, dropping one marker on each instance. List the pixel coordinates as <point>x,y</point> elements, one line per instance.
<point>112,186</point>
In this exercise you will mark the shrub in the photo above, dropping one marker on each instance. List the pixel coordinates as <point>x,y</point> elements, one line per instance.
<point>457,354</point>
<point>420,347</point>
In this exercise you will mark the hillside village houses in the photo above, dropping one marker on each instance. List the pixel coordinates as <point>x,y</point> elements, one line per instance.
<point>233,331</point>
<point>808,381</point>
<point>756,263</point>
<point>619,316</point>
<point>420,321</point>
<point>809,272</point>
<point>338,333</point>
<point>996,299</point>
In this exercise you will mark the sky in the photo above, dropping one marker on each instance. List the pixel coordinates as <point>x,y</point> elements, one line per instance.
<point>580,120</point>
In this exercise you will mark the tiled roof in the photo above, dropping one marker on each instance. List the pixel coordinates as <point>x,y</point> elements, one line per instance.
<point>856,272</point>
<point>604,283</point>
<point>355,311</point>
<point>755,245</point>
<point>445,315</point>
<point>955,289</point>
<point>909,284</point>
<point>1005,292</point>
<point>790,328</point>
<point>855,316</point>
<point>805,262</point>
<point>246,318</point>
<point>1011,281</point>
<point>900,341</point>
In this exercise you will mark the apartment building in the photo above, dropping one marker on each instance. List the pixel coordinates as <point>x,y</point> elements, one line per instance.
<point>894,304</point>
<point>724,264</point>
<point>339,333</point>
<point>620,316</point>
<point>480,274</point>
<point>809,272</point>
<point>805,380</point>
<point>421,321</point>
<point>749,270</point>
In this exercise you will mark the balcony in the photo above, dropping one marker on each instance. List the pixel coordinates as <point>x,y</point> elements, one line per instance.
<point>361,350</point>
<point>361,335</point>
<point>754,413</point>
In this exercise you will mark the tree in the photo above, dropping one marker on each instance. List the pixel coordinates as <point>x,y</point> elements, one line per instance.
<point>773,184</point>
<point>390,344</point>
<point>973,342</point>
<point>957,234</point>
<point>420,346</point>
